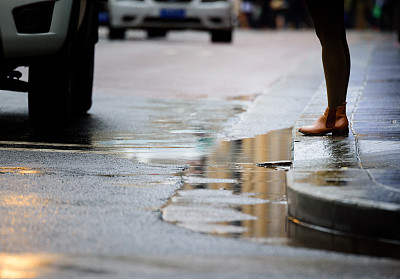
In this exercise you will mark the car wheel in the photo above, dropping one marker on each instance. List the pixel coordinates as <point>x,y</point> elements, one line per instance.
<point>156,33</point>
<point>49,96</point>
<point>221,36</point>
<point>81,100</point>
<point>61,85</point>
<point>116,33</point>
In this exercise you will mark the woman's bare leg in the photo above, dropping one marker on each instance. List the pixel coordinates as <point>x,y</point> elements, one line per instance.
<point>327,16</point>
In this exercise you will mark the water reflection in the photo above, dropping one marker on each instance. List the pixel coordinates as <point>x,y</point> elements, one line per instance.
<point>24,265</point>
<point>323,178</point>
<point>329,152</point>
<point>230,174</point>
<point>302,235</point>
<point>226,193</point>
<point>19,170</point>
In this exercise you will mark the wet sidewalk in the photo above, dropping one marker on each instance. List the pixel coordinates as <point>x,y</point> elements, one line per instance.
<point>351,185</point>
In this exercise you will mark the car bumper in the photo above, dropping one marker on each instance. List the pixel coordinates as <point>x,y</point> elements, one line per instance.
<point>191,15</point>
<point>17,42</point>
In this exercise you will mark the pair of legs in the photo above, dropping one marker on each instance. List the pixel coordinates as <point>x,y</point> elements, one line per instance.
<point>328,19</point>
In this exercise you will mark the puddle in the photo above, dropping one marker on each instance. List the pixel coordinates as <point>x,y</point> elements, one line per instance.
<point>239,190</point>
<point>177,147</point>
<point>227,193</point>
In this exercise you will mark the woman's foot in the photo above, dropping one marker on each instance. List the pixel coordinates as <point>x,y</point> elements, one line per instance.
<point>332,121</point>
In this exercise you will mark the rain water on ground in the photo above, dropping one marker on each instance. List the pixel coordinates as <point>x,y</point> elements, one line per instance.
<point>227,193</point>
<point>239,190</point>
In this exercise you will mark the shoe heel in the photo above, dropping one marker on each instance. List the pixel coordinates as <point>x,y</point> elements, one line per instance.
<point>341,132</point>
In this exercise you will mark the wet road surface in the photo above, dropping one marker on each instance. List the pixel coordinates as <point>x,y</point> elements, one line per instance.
<point>87,202</point>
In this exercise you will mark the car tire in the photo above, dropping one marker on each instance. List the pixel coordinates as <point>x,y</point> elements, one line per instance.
<point>49,96</point>
<point>61,85</point>
<point>116,33</point>
<point>221,36</point>
<point>156,33</point>
<point>81,98</point>
<point>83,84</point>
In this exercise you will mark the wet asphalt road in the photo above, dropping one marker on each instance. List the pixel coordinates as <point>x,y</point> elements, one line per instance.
<point>87,202</point>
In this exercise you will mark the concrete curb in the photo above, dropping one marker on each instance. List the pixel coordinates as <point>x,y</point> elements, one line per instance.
<point>346,209</point>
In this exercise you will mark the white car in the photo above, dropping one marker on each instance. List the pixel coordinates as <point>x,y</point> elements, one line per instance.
<point>157,17</point>
<point>55,39</point>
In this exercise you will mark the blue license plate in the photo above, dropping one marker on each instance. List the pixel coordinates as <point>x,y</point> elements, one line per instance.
<point>172,13</point>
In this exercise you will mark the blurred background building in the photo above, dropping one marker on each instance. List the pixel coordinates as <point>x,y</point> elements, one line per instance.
<point>381,15</point>
<point>359,14</point>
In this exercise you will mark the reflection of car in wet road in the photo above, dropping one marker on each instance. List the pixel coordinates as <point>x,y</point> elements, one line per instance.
<point>55,39</point>
<point>157,17</point>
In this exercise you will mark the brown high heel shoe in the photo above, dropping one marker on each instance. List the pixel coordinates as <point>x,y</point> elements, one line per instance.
<point>332,121</point>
